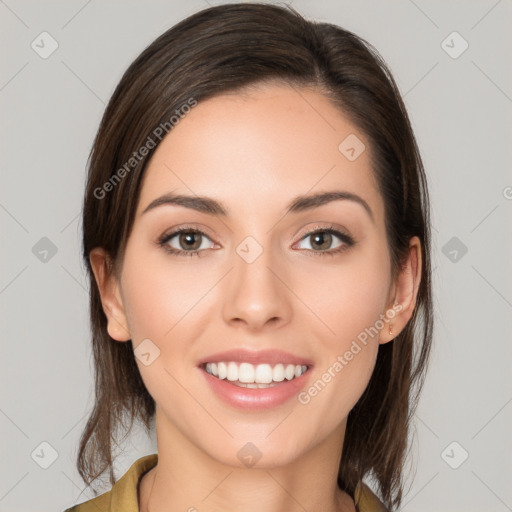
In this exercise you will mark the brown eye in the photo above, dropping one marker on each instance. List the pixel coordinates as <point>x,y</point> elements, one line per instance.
<point>189,241</point>
<point>322,240</point>
<point>186,242</point>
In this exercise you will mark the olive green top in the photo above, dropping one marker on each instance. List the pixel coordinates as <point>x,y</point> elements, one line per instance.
<point>123,495</point>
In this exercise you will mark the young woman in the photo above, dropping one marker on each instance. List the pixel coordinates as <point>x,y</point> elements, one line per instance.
<point>256,232</point>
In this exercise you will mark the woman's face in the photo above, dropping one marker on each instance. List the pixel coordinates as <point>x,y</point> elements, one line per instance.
<point>261,285</point>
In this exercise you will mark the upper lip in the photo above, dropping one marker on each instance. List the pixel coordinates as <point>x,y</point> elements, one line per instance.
<point>270,356</point>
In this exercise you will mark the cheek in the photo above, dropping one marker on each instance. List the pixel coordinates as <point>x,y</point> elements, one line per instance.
<point>157,297</point>
<point>160,304</point>
<point>350,297</point>
<point>349,306</point>
<point>166,305</point>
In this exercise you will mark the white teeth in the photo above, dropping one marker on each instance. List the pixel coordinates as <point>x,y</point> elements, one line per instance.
<point>232,371</point>
<point>255,376</point>
<point>246,373</point>
<point>278,373</point>
<point>254,385</point>
<point>221,368</point>
<point>289,372</point>
<point>263,374</point>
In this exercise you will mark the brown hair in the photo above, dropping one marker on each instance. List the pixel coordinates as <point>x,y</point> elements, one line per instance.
<point>225,48</point>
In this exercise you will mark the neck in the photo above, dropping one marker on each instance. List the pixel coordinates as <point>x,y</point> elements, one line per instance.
<point>188,479</point>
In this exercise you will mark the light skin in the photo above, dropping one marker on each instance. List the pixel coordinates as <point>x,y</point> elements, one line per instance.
<point>254,153</point>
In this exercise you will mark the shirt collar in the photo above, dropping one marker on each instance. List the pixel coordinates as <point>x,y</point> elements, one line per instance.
<point>124,496</point>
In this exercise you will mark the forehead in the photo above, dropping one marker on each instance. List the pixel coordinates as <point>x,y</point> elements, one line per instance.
<point>261,147</point>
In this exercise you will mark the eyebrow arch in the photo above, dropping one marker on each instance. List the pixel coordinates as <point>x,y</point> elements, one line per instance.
<point>210,206</point>
<point>303,203</point>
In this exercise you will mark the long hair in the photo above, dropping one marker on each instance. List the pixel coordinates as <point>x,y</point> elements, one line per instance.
<point>224,49</point>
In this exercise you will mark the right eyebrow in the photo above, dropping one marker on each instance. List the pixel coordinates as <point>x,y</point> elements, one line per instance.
<point>200,203</point>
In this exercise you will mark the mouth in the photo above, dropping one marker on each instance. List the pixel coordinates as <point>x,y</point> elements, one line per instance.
<point>255,380</point>
<point>248,375</point>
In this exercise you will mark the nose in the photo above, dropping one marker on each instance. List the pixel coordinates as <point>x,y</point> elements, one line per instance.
<point>256,294</point>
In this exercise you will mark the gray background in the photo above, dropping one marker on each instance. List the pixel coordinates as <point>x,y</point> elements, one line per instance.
<point>461,109</point>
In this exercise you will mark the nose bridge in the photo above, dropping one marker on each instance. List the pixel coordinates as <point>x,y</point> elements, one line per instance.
<point>256,295</point>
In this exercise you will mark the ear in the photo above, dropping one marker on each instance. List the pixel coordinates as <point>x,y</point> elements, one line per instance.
<point>403,294</point>
<point>111,299</point>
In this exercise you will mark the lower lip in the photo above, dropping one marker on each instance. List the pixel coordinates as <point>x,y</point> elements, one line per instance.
<point>256,398</point>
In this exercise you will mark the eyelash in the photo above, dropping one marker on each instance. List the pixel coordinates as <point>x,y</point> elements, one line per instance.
<point>347,240</point>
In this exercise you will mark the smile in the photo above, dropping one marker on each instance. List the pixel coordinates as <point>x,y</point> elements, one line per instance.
<point>254,376</point>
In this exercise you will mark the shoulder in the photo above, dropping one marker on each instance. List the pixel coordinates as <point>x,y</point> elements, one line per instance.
<point>99,504</point>
<point>366,500</point>
<point>124,494</point>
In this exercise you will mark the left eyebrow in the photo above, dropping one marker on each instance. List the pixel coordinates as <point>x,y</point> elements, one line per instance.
<point>303,203</point>
<point>211,206</point>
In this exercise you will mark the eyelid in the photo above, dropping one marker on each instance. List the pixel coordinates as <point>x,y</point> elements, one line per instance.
<point>199,228</point>
<point>325,226</point>
<point>347,241</point>
<point>339,232</point>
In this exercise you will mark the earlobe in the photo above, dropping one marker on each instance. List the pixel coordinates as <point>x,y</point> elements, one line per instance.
<point>111,300</point>
<point>405,293</point>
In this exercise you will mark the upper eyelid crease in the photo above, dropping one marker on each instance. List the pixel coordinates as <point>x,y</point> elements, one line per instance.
<point>347,241</point>
<point>299,204</point>
<point>339,233</point>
